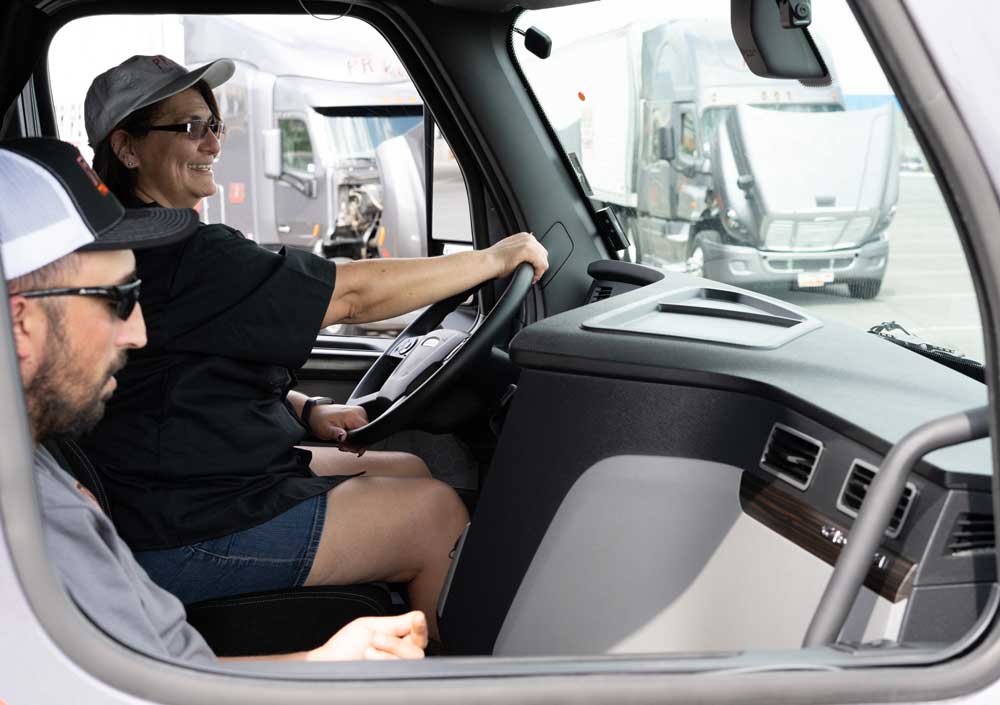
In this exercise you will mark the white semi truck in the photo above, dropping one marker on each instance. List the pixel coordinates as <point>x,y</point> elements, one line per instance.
<point>686,186</point>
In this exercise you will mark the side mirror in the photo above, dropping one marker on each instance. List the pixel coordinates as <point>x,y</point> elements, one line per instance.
<point>272,153</point>
<point>667,152</point>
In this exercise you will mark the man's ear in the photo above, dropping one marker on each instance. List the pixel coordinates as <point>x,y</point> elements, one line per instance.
<point>31,328</point>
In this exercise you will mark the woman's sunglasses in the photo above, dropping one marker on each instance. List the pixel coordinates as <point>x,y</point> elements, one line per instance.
<point>124,296</point>
<point>196,129</point>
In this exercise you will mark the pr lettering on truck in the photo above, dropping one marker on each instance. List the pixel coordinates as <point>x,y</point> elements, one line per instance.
<point>683,188</point>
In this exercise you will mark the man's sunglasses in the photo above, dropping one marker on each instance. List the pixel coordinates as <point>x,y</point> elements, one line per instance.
<point>196,129</point>
<point>124,296</point>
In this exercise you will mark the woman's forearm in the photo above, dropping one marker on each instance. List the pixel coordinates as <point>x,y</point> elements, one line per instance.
<point>376,289</point>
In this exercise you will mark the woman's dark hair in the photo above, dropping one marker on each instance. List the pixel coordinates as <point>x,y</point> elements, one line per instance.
<point>120,179</point>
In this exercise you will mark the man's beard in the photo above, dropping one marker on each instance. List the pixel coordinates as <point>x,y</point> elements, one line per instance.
<point>59,402</point>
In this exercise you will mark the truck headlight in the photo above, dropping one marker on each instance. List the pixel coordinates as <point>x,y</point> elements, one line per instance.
<point>731,220</point>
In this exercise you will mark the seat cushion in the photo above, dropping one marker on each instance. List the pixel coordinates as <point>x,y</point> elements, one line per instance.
<point>284,621</point>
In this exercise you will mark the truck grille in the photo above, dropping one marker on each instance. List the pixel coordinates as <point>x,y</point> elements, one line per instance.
<point>812,236</point>
<point>780,264</point>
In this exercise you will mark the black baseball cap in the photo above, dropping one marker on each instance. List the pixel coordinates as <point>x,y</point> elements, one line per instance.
<point>55,203</point>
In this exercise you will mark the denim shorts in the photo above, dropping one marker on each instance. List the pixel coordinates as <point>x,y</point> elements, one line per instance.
<point>275,555</point>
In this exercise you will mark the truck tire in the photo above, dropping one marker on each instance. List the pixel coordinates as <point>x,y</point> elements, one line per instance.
<point>696,254</point>
<point>696,260</point>
<point>864,288</point>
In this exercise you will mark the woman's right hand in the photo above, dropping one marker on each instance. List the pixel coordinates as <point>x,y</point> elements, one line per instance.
<point>515,249</point>
<point>331,422</point>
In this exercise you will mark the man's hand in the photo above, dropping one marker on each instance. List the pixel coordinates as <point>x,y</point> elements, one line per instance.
<point>331,422</point>
<point>514,249</point>
<point>376,638</point>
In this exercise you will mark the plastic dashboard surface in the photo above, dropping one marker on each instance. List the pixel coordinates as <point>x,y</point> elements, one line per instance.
<point>865,387</point>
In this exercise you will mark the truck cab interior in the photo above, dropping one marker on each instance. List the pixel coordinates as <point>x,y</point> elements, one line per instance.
<point>679,487</point>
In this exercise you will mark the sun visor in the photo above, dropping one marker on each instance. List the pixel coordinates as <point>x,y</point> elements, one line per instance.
<point>774,38</point>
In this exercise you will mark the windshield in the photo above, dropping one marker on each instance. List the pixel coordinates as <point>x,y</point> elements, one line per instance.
<point>820,196</point>
<point>357,137</point>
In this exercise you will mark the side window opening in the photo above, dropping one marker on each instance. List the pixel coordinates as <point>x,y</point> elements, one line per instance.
<point>688,138</point>
<point>296,147</point>
<point>344,182</point>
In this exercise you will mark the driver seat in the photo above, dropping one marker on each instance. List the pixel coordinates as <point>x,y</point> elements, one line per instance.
<point>273,622</point>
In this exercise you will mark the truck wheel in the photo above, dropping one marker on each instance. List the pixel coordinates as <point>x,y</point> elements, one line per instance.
<point>864,288</point>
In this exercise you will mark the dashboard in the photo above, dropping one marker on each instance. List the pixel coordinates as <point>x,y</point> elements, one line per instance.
<point>692,493</point>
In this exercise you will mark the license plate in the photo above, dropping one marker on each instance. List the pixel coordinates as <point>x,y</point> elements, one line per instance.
<point>807,279</point>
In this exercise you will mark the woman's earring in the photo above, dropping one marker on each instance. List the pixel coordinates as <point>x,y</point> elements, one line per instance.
<point>130,164</point>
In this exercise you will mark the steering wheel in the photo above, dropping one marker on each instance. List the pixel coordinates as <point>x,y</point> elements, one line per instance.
<point>424,360</point>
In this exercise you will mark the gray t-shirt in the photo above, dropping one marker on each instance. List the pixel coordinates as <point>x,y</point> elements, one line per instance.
<point>103,578</point>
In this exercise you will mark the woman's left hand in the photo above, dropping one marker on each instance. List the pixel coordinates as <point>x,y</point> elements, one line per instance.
<point>331,422</point>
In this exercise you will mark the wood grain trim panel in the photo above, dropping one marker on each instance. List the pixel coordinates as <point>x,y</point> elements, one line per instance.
<point>782,511</point>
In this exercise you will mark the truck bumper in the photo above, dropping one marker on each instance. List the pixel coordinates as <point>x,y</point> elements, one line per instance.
<point>738,265</point>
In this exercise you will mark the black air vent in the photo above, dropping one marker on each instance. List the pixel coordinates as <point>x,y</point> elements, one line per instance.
<point>859,479</point>
<point>791,455</point>
<point>972,532</point>
<point>601,293</point>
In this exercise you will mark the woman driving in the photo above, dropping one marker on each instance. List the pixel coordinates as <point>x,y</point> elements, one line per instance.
<point>199,444</point>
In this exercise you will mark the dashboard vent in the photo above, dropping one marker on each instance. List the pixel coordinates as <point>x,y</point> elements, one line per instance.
<point>791,455</point>
<point>972,532</point>
<point>855,489</point>
<point>601,293</point>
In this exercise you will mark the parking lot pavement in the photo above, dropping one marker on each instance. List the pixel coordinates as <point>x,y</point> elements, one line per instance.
<point>927,288</point>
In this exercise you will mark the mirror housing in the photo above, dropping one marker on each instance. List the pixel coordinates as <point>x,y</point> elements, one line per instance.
<point>770,47</point>
<point>272,153</point>
<point>667,151</point>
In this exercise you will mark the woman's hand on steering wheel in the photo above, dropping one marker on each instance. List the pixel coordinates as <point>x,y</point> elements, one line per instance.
<point>515,249</point>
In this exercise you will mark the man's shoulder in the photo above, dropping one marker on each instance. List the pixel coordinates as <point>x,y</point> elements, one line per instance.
<point>57,489</point>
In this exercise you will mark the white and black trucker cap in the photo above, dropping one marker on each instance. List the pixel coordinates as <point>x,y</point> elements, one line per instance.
<point>54,204</point>
<point>138,82</point>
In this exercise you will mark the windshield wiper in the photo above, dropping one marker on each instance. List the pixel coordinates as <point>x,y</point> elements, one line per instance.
<point>890,330</point>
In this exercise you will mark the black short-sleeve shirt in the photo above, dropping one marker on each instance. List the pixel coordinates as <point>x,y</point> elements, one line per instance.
<point>197,442</point>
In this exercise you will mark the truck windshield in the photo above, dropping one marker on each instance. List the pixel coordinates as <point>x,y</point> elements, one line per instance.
<point>357,137</point>
<point>820,196</point>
